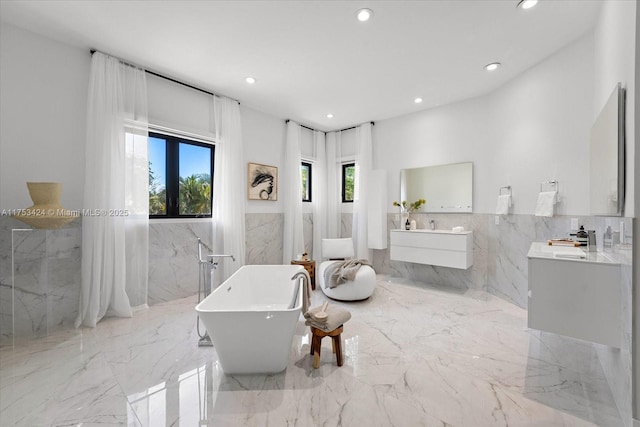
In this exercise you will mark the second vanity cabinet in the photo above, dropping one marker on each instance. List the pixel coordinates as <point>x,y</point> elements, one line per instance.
<point>434,247</point>
<point>575,294</point>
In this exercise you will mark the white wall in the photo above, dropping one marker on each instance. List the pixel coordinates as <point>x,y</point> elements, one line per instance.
<point>533,129</point>
<point>263,139</point>
<point>615,52</point>
<point>179,107</point>
<point>42,116</point>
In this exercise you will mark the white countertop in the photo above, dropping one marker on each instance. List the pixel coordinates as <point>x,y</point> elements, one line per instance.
<point>427,230</point>
<point>569,253</point>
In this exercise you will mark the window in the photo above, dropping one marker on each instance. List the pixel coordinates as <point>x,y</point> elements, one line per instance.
<point>180,177</point>
<point>306,181</point>
<point>348,179</point>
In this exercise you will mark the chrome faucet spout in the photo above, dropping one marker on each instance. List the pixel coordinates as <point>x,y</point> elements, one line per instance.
<point>222,256</point>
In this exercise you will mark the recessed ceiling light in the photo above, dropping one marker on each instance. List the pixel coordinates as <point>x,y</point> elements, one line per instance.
<point>492,66</point>
<point>527,4</point>
<point>417,100</point>
<point>365,15</point>
<point>329,116</point>
<point>250,80</point>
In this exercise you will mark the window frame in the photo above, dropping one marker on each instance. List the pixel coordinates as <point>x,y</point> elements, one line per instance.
<point>172,173</point>
<point>343,184</point>
<point>309,167</point>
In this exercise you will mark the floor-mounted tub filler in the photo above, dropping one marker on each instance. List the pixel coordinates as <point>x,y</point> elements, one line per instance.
<point>251,318</point>
<point>206,266</point>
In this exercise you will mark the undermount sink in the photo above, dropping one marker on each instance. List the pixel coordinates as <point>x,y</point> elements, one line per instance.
<point>543,250</point>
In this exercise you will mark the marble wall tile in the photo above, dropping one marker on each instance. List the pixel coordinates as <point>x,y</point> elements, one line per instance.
<point>47,279</point>
<point>173,258</point>
<point>263,235</point>
<point>346,224</point>
<point>473,278</point>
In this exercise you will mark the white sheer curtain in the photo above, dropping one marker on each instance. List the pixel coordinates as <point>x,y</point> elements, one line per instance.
<point>290,182</point>
<point>115,244</point>
<point>334,196</point>
<point>229,187</point>
<point>364,156</point>
<point>319,185</point>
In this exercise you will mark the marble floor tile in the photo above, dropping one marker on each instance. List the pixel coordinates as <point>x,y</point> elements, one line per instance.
<point>414,355</point>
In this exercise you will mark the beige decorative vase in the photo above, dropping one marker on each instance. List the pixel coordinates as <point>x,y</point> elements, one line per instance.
<point>46,211</point>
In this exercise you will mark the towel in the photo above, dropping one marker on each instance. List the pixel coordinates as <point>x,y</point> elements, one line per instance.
<point>335,317</point>
<point>504,202</point>
<point>342,271</point>
<point>546,200</point>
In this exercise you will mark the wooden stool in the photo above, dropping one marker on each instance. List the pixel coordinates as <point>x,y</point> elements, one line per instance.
<point>336,344</point>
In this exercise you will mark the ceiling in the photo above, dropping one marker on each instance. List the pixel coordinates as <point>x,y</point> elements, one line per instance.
<point>311,58</point>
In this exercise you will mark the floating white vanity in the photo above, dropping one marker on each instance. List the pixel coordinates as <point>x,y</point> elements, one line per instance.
<point>434,247</point>
<point>575,293</point>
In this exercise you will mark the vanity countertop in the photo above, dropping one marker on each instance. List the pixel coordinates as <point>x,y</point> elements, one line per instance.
<point>427,230</point>
<point>569,253</point>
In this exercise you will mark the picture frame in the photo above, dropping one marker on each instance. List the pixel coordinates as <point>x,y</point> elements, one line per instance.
<point>262,182</point>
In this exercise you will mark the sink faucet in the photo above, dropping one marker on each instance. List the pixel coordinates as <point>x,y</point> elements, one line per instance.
<point>432,224</point>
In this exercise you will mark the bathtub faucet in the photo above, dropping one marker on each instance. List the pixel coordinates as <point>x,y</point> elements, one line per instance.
<point>211,257</point>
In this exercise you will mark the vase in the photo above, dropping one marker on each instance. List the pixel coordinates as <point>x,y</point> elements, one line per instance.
<point>404,217</point>
<point>46,212</point>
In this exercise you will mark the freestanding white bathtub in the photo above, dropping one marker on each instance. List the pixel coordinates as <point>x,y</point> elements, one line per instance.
<point>250,320</point>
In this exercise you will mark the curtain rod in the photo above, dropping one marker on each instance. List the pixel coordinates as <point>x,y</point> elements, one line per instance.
<point>153,73</point>
<point>352,127</point>
<point>304,126</point>
<point>341,130</point>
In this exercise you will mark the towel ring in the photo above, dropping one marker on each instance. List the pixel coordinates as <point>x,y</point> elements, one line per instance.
<point>555,186</point>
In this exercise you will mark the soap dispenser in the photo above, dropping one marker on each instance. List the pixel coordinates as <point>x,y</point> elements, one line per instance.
<point>407,225</point>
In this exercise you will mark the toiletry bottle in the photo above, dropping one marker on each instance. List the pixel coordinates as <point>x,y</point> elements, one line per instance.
<point>607,241</point>
<point>582,237</point>
<point>407,225</point>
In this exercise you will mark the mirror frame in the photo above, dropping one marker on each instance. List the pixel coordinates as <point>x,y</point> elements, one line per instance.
<point>617,97</point>
<point>447,209</point>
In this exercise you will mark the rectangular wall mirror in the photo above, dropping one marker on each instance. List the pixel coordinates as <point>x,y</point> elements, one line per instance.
<point>606,173</point>
<point>446,188</point>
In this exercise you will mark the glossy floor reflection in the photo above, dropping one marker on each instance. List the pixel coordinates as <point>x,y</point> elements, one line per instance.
<point>414,355</point>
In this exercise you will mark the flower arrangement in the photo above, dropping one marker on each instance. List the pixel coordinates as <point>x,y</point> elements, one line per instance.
<point>412,206</point>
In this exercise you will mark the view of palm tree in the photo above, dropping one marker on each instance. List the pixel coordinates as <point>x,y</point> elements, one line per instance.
<point>157,195</point>
<point>195,195</point>
<point>349,184</point>
<point>180,177</point>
